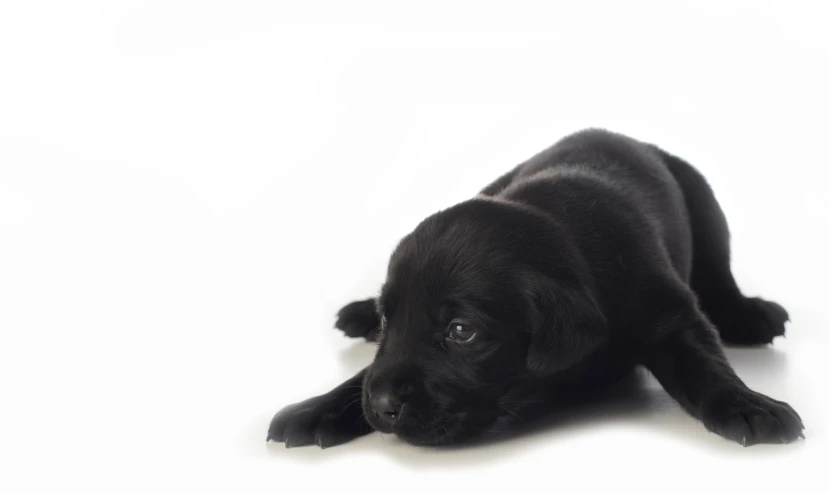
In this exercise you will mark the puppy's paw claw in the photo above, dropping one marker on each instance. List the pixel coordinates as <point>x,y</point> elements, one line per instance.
<point>750,418</point>
<point>752,321</point>
<point>359,319</point>
<point>319,421</point>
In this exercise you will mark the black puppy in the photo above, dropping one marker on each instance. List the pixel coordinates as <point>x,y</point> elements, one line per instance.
<point>597,255</point>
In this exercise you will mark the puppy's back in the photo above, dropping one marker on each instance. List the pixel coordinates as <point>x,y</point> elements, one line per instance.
<point>609,189</point>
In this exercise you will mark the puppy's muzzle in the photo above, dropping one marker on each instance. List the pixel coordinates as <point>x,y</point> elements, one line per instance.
<point>386,407</point>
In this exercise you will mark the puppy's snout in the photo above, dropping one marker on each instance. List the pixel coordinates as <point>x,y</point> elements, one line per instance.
<point>386,407</point>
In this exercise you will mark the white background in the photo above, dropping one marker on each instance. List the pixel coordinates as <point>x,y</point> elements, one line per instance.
<point>189,190</point>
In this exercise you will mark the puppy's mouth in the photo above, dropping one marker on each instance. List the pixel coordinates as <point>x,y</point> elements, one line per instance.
<point>442,431</point>
<point>435,429</point>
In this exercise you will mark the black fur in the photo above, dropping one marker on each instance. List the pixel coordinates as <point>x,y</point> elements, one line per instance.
<point>597,255</point>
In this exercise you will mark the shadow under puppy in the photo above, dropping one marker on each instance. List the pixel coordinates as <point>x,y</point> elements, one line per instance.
<point>599,254</point>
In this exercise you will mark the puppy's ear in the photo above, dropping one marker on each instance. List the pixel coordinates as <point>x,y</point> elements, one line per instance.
<point>567,325</point>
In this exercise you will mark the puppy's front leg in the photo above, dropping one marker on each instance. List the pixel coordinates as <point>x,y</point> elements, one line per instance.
<point>691,366</point>
<point>326,420</point>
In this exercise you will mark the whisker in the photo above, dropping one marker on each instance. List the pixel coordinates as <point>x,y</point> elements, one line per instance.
<point>351,403</point>
<point>361,416</point>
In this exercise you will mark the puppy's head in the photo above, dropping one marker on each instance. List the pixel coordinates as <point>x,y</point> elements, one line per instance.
<point>480,301</point>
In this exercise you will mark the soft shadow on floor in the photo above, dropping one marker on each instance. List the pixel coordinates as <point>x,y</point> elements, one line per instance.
<point>637,401</point>
<point>357,356</point>
<point>759,361</point>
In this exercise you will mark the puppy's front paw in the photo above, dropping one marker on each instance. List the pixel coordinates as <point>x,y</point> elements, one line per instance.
<point>322,421</point>
<point>359,319</point>
<point>749,418</point>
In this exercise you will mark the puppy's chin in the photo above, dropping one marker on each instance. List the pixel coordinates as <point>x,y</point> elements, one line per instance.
<point>434,434</point>
<point>448,429</point>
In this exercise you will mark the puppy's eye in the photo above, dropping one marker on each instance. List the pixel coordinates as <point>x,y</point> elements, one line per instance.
<point>460,332</point>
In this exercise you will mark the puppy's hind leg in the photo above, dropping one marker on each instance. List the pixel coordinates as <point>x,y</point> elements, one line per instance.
<point>689,363</point>
<point>739,319</point>
<point>359,319</point>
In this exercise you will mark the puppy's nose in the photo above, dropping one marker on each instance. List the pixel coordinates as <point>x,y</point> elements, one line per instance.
<point>386,407</point>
